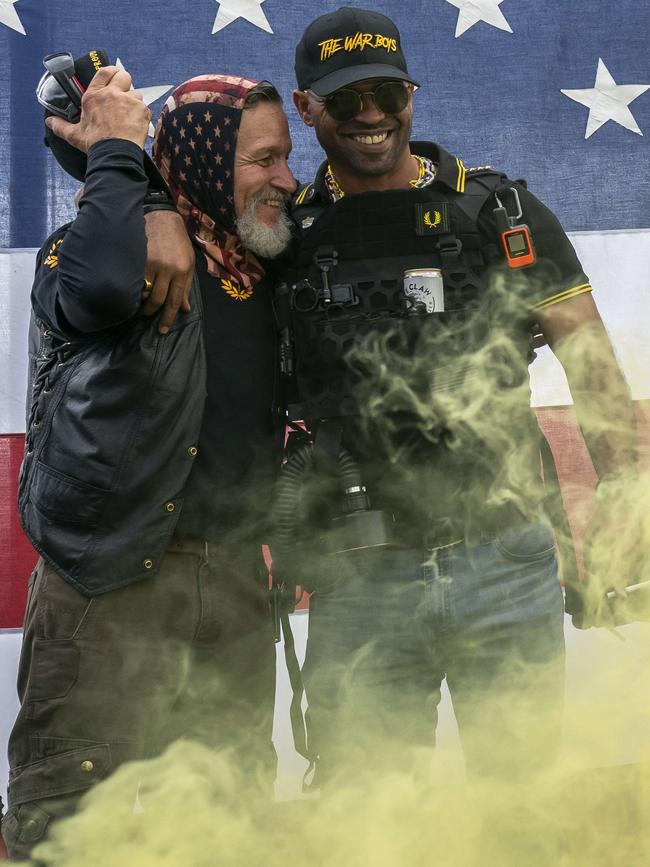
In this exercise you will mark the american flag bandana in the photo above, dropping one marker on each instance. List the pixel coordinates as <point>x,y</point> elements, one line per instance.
<point>194,148</point>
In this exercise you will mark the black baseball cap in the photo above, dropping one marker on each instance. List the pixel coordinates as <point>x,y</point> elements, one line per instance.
<point>347,46</point>
<point>72,160</point>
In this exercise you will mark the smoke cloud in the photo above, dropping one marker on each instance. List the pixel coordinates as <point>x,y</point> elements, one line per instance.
<point>457,450</point>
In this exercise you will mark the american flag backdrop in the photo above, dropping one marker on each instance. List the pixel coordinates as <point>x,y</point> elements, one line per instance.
<point>555,92</point>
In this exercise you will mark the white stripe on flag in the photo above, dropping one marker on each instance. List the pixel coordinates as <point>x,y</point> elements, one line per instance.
<point>16,276</point>
<point>617,264</point>
<point>615,261</point>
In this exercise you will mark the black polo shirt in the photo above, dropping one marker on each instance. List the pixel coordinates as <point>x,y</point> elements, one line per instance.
<point>481,469</point>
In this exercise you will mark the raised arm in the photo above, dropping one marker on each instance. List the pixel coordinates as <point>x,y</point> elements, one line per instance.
<point>100,262</point>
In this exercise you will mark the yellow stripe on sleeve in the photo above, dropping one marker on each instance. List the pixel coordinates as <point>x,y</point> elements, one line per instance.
<point>563,296</point>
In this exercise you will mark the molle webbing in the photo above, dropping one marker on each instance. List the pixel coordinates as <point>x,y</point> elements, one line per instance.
<point>367,242</point>
<point>375,225</point>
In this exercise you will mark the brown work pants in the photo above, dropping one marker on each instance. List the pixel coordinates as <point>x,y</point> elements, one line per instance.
<point>116,677</point>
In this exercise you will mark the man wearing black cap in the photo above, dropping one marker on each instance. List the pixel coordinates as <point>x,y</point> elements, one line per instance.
<point>411,315</point>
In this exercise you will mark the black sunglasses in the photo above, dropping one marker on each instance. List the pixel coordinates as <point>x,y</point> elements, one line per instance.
<point>59,90</point>
<point>390,97</point>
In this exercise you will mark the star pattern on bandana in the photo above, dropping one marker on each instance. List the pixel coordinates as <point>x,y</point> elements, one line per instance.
<point>194,148</point>
<point>201,146</point>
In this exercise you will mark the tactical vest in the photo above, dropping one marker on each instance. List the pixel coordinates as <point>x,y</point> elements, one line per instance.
<point>347,282</point>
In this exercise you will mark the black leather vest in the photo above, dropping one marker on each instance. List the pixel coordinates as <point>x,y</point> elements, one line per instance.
<point>113,422</point>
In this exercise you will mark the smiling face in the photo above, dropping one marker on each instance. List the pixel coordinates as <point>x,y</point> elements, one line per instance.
<point>263,178</point>
<point>371,150</point>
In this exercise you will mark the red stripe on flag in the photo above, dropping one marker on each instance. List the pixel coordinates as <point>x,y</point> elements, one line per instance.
<point>575,472</point>
<point>17,557</point>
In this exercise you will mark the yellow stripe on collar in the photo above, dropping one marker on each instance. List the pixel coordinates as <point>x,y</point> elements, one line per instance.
<point>301,195</point>
<point>460,180</point>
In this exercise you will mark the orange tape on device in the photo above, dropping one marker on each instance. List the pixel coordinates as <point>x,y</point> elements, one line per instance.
<point>520,252</point>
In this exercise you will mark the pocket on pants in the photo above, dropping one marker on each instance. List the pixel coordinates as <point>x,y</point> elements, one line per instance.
<point>60,609</point>
<point>23,826</point>
<point>527,543</point>
<point>47,790</point>
<point>53,671</point>
<point>62,774</point>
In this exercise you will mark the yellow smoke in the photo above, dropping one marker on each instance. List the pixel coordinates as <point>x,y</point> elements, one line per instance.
<point>196,811</point>
<point>193,807</point>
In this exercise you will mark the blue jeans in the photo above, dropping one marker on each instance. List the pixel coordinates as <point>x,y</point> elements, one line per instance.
<point>386,626</point>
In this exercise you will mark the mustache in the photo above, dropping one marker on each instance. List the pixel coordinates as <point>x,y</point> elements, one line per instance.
<point>271,195</point>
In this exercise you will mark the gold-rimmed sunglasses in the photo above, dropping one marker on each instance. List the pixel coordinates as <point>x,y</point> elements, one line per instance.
<point>390,97</point>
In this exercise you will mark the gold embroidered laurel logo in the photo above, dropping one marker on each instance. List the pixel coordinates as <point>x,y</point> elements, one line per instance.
<point>239,293</point>
<point>52,258</point>
<point>437,219</point>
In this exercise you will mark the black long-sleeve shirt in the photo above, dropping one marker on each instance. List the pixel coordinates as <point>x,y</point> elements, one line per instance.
<point>96,278</point>
<point>94,282</point>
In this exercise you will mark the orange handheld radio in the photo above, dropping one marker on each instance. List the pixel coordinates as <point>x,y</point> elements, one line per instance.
<point>515,236</point>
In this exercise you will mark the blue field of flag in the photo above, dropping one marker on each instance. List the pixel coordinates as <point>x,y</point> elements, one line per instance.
<point>558,93</point>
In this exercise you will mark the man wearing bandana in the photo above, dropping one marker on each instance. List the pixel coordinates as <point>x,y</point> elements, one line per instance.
<point>149,455</point>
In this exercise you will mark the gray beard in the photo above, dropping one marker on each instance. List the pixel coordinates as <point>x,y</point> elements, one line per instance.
<point>258,237</point>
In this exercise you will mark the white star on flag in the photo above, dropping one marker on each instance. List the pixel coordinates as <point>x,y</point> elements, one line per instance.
<point>149,94</point>
<point>231,10</point>
<point>607,100</point>
<point>470,12</point>
<point>9,16</point>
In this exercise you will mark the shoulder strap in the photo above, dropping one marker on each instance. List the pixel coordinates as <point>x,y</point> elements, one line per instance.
<point>480,184</point>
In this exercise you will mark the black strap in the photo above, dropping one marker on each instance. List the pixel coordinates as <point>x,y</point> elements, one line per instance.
<point>458,271</point>
<point>281,294</point>
<point>328,436</point>
<point>159,198</point>
<point>160,206</point>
